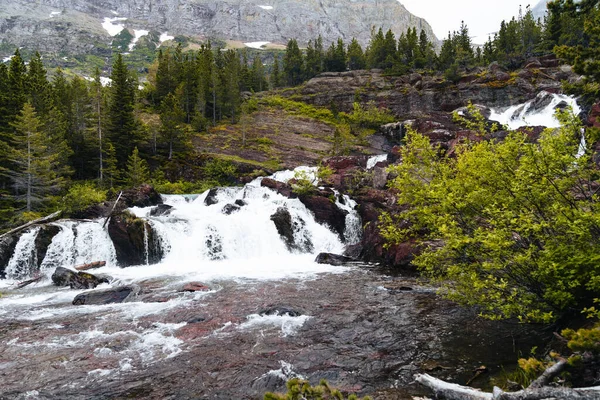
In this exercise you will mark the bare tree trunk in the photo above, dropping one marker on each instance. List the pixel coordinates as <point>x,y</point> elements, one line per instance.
<point>92,265</point>
<point>36,221</point>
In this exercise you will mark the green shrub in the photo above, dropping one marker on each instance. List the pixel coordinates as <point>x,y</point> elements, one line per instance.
<point>81,196</point>
<point>299,389</point>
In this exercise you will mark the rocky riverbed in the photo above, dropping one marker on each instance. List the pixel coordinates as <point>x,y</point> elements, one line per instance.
<point>361,329</point>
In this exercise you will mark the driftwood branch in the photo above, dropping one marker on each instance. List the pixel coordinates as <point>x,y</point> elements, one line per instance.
<point>92,265</point>
<point>35,221</point>
<point>28,282</point>
<point>452,391</point>
<point>112,210</point>
<point>549,374</point>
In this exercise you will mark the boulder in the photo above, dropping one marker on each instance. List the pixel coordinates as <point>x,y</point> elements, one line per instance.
<point>77,280</point>
<point>229,209</point>
<point>108,296</point>
<point>282,188</point>
<point>333,259</point>
<point>142,196</point>
<point>240,203</point>
<point>127,234</point>
<point>211,197</point>
<point>161,209</point>
<point>326,212</point>
<point>283,222</point>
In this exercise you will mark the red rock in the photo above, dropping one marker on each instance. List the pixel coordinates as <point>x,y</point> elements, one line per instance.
<point>195,287</point>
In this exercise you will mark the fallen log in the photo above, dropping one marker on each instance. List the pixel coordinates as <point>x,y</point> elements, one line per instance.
<point>453,391</point>
<point>35,221</point>
<point>92,265</point>
<point>112,210</point>
<point>28,282</point>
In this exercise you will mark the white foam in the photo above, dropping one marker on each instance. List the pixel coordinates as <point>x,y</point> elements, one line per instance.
<point>54,14</point>
<point>266,7</point>
<point>286,372</point>
<point>100,372</point>
<point>256,45</point>
<point>138,34</point>
<point>7,59</point>
<point>521,115</point>
<point>111,26</point>
<point>286,175</point>
<point>289,325</point>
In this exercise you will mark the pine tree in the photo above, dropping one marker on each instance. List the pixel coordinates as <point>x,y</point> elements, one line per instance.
<point>171,117</point>
<point>123,130</point>
<point>137,169</point>
<point>38,87</point>
<point>17,84</point>
<point>275,77</point>
<point>37,163</point>
<point>356,57</point>
<point>293,64</point>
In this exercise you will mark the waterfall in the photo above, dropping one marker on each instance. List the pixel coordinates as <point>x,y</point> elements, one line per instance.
<point>537,112</point>
<point>146,246</point>
<point>372,161</point>
<point>23,262</point>
<point>229,233</point>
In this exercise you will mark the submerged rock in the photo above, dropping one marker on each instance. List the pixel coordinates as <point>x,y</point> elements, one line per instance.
<point>333,259</point>
<point>229,209</point>
<point>77,280</point>
<point>195,287</point>
<point>211,197</point>
<point>109,296</point>
<point>281,311</point>
<point>161,209</point>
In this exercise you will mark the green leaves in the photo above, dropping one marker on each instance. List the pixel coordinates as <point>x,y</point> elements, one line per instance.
<point>515,227</point>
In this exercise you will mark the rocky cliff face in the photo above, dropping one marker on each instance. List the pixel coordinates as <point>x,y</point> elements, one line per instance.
<point>75,26</point>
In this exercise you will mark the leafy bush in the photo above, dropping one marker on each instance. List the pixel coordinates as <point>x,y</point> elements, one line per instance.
<point>303,183</point>
<point>299,389</point>
<point>221,171</point>
<point>512,227</point>
<point>81,196</point>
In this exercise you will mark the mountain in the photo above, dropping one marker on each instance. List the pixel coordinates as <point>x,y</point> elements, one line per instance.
<point>86,26</point>
<point>539,11</point>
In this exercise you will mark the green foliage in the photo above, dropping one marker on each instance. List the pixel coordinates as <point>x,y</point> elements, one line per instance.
<point>303,183</point>
<point>583,340</point>
<point>299,389</point>
<point>81,196</point>
<point>221,171</point>
<point>512,227</point>
<point>182,187</point>
<point>137,170</point>
<point>370,116</point>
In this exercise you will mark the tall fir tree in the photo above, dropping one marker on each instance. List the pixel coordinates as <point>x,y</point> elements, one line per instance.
<point>123,130</point>
<point>37,162</point>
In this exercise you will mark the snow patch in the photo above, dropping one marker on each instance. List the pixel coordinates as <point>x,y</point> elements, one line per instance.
<point>256,45</point>
<point>266,7</point>
<point>54,14</point>
<point>7,59</point>
<point>112,27</point>
<point>165,36</point>
<point>137,34</point>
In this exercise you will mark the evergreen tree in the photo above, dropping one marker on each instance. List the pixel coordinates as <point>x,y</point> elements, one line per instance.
<point>166,81</point>
<point>38,87</point>
<point>275,77</point>
<point>376,54</point>
<point>37,163</point>
<point>356,57</point>
<point>293,64</point>
<point>258,82</point>
<point>171,117</point>
<point>17,84</point>
<point>96,135</point>
<point>123,130</point>
<point>137,169</point>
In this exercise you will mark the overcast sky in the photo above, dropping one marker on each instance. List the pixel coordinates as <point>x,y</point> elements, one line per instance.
<point>481,17</point>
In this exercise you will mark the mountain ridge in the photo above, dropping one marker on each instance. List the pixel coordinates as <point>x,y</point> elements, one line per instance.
<point>75,26</point>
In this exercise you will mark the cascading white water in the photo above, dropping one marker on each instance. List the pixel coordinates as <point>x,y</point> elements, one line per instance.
<point>146,245</point>
<point>527,114</point>
<point>372,161</point>
<point>24,259</point>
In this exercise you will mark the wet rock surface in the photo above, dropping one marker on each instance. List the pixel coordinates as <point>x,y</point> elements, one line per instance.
<point>107,296</point>
<point>77,280</point>
<point>361,330</point>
